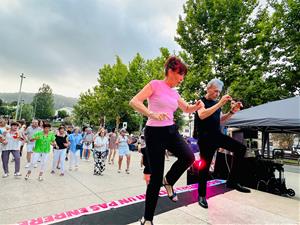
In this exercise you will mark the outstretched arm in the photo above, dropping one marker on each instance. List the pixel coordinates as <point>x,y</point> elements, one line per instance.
<point>188,108</point>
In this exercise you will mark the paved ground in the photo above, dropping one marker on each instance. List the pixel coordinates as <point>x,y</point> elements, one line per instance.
<point>21,200</point>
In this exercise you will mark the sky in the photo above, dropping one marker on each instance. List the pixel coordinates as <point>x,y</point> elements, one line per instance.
<point>64,43</point>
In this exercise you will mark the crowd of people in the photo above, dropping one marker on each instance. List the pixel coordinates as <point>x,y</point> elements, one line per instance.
<point>66,143</point>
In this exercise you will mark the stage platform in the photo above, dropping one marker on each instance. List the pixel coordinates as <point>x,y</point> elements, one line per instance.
<point>22,201</point>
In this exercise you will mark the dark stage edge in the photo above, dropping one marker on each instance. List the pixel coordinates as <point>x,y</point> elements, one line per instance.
<point>132,213</point>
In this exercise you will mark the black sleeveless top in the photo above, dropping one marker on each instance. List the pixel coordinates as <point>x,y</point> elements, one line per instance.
<point>60,141</point>
<point>209,125</point>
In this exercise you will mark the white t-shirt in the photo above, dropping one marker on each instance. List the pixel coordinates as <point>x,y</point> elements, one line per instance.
<point>13,140</point>
<point>101,144</point>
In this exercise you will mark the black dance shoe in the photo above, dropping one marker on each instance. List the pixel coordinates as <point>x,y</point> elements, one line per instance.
<point>146,222</point>
<point>202,202</point>
<point>237,187</point>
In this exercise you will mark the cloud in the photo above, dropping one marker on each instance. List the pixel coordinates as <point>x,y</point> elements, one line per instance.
<point>64,43</point>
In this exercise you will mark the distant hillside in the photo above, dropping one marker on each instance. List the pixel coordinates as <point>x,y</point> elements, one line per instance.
<point>59,100</point>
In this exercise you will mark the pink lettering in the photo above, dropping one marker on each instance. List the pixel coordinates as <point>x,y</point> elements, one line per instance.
<point>60,216</point>
<point>95,207</point>
<point>72,213</point>
<point>36,221</point>
<point>123,201</point>
<point>113,204</point>
<point>83,210</point>
<point>162,193</point>
<point>48,219</point>
<point>103,206</point>
<point>131,199</point>
<point>141,197</point>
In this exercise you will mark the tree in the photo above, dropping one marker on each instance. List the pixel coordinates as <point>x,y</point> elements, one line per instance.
<point>228,40</point>
<point>285,70</point>
<point>285,140</point>
<point>117,84</point>
<point>43,103</point>
<point>62,114</point>
<point>27,112</point>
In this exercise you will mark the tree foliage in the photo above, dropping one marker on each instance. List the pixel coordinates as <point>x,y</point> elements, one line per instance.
<point>237,42</point>
<point>27,112</point>
<point>43,103</point>
<point>62,114</point>
<point>117,84</point>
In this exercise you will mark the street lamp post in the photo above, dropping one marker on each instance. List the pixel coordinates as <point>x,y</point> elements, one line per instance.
<point>19,98</point>
<point>21,107</point>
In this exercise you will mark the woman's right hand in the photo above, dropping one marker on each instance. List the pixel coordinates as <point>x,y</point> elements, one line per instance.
<point>159,116</point>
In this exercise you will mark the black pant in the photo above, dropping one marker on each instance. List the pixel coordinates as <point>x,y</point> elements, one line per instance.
<point>158,139</point>
<point>208,144</point>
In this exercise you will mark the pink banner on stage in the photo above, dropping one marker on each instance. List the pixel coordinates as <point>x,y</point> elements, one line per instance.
<point>96,208</point>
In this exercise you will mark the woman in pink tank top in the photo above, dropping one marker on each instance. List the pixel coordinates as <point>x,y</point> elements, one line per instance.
<point>161,133</point>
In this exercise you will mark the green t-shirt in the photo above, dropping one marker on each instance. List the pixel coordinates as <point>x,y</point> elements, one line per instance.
<point>42,144</point>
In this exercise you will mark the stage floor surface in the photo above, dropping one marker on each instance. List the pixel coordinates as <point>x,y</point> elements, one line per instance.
<point>22,200</point>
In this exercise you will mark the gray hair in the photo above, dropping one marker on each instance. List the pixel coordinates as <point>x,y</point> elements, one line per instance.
<point>77,128</point>
<point>215,82</point>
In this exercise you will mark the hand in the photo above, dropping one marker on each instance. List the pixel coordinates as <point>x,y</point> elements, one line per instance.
<point>199,105</point>
<point>235,107</point>
<point>159,116</point>
<point>225,99</point>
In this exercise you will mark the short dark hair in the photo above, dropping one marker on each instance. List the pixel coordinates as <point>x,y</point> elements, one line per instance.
<point>14,123</point>
<point>175,64</point>
<point>46,125</point>
<point>61,127</point>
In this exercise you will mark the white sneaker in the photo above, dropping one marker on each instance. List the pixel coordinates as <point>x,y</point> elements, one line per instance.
<point>40,178</point>
<point>27,165</point>
<point>5,175</point>
<point>35,166</point>
<point>119,171</point>
<point>18,174</point>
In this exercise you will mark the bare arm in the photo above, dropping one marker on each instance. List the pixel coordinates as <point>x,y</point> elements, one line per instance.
<point>234,108</point>
<point>225,117</point>
<point>137,102</point>
<point>204,113</point>
<point>185,107</point>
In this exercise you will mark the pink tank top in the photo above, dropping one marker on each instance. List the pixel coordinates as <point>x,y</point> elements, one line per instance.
<point>163,100</point>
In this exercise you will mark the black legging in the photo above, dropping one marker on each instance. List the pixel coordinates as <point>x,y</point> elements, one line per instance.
<point>208,144</point>
<point>158,139</point>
